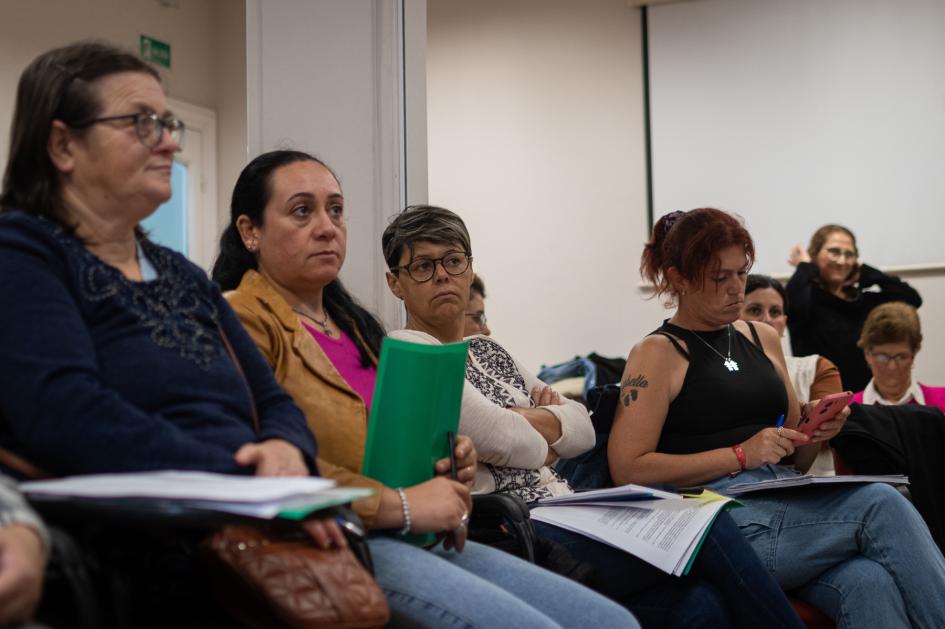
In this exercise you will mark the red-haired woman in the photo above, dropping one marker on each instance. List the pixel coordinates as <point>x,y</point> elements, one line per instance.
<point>703,397</point>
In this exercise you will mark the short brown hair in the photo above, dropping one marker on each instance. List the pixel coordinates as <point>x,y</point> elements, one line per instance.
<point>423,223</point>
<point>690,241</point>
<point>821,235</point>
<point>895,322</point>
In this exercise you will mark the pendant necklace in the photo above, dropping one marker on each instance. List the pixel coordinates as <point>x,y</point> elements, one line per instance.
<point>730,364</point>
<point>323,324</point>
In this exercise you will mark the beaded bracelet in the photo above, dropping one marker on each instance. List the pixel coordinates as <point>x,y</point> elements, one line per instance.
<point>405,506</point>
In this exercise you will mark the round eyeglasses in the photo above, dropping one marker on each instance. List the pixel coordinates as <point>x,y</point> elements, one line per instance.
<point>149,127</point>
<point>422,269</point>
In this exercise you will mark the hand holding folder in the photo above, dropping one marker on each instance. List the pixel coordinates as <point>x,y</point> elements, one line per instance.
<point>417,402</point>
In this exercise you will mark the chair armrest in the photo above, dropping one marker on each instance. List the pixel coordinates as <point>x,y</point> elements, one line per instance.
<point>497,510</point>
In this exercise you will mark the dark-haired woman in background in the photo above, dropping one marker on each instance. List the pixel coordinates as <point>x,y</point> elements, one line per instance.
<point>813,376</point>
<point>829,296</point>
<point>716,388</point>
<point>282,253</point>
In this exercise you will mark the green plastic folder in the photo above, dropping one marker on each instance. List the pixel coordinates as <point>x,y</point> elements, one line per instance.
<point>416,405</point>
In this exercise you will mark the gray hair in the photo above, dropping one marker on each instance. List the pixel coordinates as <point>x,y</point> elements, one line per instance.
<point>423,223</point>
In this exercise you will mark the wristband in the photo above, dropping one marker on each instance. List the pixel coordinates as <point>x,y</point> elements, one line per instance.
<point>405,507</point>
<point>740,455</point>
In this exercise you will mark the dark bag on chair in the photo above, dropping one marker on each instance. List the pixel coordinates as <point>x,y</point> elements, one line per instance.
<point>262,574</point>
<point>591,470</point>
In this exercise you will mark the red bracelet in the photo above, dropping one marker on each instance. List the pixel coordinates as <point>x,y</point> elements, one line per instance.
<point>740,454</point>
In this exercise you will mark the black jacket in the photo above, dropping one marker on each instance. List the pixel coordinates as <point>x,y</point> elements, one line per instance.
<point>822,323</point>
<point>907,439</point>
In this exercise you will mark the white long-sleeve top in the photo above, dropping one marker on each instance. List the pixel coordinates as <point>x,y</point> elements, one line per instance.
<point>511,452</point>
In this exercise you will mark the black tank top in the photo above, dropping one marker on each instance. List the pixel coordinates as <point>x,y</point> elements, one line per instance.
<point>717,408</point>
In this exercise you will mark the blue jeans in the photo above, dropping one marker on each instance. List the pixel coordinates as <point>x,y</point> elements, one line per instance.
<point>727,587</point>
<point>862,553</point>
<point>485,587</point>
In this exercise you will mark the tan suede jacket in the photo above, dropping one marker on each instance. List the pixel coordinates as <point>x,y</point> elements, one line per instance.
<point>334,411</point>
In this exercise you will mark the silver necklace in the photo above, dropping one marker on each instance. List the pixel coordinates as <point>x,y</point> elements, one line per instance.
<point>730,364</point>
<point>324,324</point>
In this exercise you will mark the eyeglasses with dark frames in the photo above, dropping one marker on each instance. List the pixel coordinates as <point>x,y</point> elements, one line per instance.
<point>422,269</point>
<point>149,127</point>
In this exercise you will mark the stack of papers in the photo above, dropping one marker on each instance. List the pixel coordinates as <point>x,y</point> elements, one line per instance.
<point>660,527</point>
<point>251,496</point>
<point>803,480</point>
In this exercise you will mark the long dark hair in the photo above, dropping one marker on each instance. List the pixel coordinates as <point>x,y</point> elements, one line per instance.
<point>57,85</point>
<point>250,197</point>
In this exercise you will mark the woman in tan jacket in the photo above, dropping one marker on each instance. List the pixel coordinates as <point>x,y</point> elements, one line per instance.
<point>282,252</point>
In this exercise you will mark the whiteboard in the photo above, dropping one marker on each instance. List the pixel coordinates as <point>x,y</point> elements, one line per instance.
<point>796,114</point>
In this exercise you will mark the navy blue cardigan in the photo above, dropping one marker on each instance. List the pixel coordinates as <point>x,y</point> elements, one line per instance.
<point>102,374</point>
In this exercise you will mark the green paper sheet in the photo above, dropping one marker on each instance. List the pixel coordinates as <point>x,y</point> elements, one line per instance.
<point>417,402</point>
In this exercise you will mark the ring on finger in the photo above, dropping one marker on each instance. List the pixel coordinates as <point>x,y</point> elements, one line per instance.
<point>780,430</point>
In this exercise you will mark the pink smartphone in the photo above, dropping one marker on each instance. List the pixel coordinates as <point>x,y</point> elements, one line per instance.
<point>826,409</point>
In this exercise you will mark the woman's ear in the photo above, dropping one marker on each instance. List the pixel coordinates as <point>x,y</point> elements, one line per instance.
<point>679,284</point>
<point>393,283</point>
<point>60,148</point>
<point>248,232</point>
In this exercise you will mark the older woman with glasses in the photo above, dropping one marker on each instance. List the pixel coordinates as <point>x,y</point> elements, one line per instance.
<point>829,297</point>
<point>113,350</point>
<point>520,427</point>
<point>891,338</point>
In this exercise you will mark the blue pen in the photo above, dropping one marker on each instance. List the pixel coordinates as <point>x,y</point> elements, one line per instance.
<point>780,421</point>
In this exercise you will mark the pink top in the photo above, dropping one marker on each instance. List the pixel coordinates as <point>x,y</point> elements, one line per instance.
<point>934,396</point>
<point>344,355</point>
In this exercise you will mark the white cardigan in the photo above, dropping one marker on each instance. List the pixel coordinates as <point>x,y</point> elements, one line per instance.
<point>512,450</point>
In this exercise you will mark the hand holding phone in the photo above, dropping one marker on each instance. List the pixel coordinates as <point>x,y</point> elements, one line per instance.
<point>826,409</point>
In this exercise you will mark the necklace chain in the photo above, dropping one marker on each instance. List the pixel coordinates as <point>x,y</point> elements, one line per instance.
<point>730,364</point>
<point>323,324</point>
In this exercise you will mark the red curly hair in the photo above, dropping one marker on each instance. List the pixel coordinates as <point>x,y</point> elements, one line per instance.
<point>690,242</point>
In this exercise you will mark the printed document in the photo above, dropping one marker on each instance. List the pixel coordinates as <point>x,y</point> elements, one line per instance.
<point>666,533</point>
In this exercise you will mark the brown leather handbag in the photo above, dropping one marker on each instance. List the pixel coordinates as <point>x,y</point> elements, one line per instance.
<point>263,575</point>
<point>275,572</point>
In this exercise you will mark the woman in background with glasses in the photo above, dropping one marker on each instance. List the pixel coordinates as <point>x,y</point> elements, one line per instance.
<point>891,338</point>
<point>829,297</point>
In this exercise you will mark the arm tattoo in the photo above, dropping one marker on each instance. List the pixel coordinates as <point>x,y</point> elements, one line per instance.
<point>634,384</point>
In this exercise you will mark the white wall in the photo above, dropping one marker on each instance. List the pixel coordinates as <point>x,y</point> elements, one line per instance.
<point>327,77</point>
<point>208,62</point>
<point>30,27</point>
<point>535,137</point>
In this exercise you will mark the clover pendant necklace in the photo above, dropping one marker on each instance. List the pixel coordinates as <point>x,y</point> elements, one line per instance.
<point>727,361</point>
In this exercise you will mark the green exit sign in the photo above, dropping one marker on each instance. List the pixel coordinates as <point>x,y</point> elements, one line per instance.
<point>156,51</point>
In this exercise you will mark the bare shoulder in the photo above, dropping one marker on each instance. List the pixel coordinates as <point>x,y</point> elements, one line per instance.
<point>767,334</point>
<point>654,354</point>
